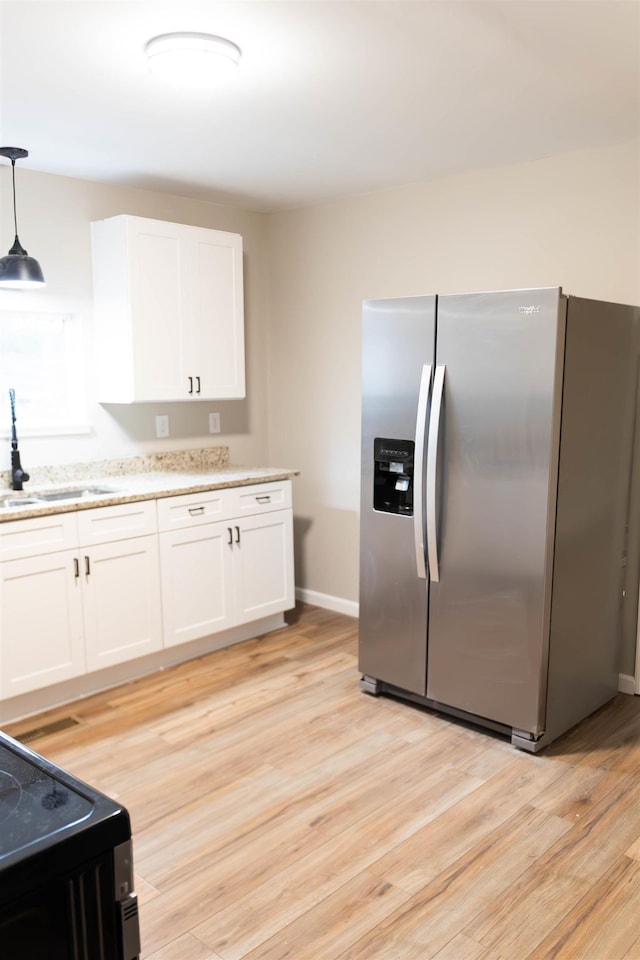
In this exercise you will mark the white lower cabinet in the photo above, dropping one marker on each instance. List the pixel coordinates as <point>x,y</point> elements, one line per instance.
<point>217,575</point>
<point>80,592</point>
<point>197,596</point>
<point>41,628</point>
<point>263,565</point>
<point>68,611</point>
<point>121,601</point>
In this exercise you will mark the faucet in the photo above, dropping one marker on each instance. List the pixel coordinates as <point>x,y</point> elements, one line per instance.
<point>18,475</point>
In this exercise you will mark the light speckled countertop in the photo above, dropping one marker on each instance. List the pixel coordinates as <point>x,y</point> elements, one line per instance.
<point>137,478</point>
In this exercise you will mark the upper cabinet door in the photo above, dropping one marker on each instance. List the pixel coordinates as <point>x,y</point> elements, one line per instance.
<point>169,311</point>
<point>158,308</point>
<point>216,350</point>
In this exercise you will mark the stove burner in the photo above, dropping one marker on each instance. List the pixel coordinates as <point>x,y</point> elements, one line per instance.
<point>34,804</point>
<point>10,793</point>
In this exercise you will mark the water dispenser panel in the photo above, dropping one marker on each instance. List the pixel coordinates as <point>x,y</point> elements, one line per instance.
<point>393,476</point>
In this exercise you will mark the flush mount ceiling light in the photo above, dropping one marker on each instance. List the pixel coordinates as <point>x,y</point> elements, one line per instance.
<point>18,271</point>
<point>191,58</point>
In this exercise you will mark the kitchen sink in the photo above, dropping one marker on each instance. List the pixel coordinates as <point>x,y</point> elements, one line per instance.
<point>72,493</point>
<point>76,493</point>
<point>19,501</point>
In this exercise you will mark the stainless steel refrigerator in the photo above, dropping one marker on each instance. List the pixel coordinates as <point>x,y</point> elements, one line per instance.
<point>497,435</point>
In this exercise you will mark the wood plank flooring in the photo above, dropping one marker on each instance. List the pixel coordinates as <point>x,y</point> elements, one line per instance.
<point>280,813</point>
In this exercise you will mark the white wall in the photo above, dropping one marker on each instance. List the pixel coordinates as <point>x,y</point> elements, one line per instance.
<point>54,214</point>
<point>572,221</point>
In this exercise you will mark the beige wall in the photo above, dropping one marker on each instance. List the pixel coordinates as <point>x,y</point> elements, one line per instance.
<point>572,221</point>
<point>54,214</point>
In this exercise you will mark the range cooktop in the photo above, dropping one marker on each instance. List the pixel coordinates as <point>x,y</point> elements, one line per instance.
<point>34,804</point>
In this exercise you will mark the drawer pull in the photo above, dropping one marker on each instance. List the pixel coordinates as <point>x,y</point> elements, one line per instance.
<point>196,511</point>
<point>265,498</point>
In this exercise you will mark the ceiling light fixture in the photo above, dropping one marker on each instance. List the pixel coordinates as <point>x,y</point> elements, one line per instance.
<point>18,271</point>
<point>191,58</point>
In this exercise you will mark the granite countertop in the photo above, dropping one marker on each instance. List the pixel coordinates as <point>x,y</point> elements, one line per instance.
<point>137,478</point>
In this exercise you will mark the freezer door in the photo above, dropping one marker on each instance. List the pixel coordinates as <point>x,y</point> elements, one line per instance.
<point>398,344</point>
<point>496,495</point>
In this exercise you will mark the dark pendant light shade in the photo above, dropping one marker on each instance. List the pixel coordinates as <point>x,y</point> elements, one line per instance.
<point>18,271</point>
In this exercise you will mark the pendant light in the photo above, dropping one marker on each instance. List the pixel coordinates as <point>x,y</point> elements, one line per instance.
<point>18,271</point>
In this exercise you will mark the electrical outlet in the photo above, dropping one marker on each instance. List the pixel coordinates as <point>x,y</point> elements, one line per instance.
<point>214,423</point>
<point>162,426</point>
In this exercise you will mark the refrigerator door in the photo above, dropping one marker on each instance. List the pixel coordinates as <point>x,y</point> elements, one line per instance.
<point>497,467</point>
<point>398,344</point>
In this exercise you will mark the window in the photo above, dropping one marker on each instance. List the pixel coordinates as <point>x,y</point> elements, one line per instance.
<point>41,358</point>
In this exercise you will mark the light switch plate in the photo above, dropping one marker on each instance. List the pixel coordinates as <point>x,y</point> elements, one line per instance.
<point>214,423</point>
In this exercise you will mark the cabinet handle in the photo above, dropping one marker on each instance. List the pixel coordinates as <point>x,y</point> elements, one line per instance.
<point>190,384</point>
<point>197,384</point>
<point>87,565</point>
<point>230,532</point>
<point>76,567</point>
<point>237,534</point>
<point>265,498</point>
<point>196,511</point>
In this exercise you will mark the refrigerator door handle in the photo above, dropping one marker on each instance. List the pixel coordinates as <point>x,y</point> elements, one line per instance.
<point>432,474</point>
<point>418,472</point>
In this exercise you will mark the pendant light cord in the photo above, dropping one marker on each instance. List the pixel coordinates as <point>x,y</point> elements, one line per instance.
<point>17,248</point>
<point>15,215</point>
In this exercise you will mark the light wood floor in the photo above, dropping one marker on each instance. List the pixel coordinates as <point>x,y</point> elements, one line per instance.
<point>280,813</point>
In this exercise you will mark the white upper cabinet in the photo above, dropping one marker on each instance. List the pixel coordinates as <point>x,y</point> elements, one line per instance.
<point>169,311</point>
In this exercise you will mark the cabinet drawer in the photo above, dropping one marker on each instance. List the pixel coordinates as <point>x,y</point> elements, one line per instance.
<point>191,509</point>
<point>37,535</point>
<point>123,520</point>
<point>262,497</point>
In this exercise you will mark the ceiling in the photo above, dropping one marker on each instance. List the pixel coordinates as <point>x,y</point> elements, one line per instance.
<point>330,98</point>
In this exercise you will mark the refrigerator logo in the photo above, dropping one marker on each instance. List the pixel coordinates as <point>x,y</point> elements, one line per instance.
<point>529,310</point>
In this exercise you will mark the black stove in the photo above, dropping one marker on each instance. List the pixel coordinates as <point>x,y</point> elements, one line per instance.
<point>34,804</point>
<point>66,869</point>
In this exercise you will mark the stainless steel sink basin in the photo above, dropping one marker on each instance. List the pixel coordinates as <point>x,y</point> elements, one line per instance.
<point>71,493</point>
<point>76,493</point>
<point>19,501</point>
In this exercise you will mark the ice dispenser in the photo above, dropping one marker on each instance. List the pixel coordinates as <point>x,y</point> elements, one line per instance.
<point>393,476</point>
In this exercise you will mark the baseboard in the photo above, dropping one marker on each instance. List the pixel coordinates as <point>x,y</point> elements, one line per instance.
<point>337,604</point>
<point>626,683</point>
